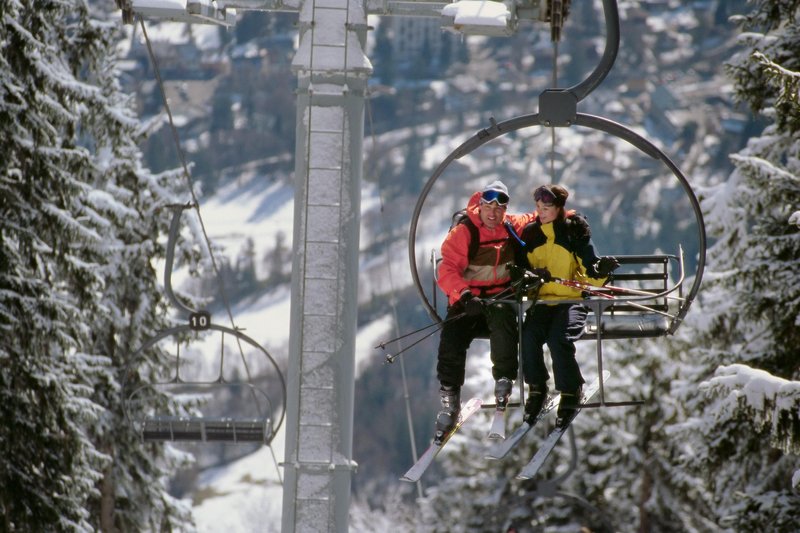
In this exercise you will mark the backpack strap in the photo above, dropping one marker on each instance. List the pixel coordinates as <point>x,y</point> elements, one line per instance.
<point>474,238</point>
<point>513,233</point>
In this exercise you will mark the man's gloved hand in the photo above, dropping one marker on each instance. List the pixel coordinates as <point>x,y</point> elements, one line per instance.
<point>606,265</point>
<point>473,305</point>
<point>515,272</point>
<point>542,273</point>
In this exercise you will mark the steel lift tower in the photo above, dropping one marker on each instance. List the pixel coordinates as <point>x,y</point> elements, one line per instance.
<point>332,71</point>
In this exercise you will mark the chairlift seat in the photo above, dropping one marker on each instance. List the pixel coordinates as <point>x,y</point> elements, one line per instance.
<point>625,318</point>
<point>630,326</point>
<point>167,428</point>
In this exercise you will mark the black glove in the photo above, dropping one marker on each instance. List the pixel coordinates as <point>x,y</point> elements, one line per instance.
<point>473,305</point>
<point>515,272</point>
<point>542,273</point>
<point>606,265</point>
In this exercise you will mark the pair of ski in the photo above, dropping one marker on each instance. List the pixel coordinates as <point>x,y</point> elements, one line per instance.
<point>502,448</point>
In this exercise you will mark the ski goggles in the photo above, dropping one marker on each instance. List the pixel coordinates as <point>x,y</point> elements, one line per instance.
<point>545,195</point>
<point>498,197</point>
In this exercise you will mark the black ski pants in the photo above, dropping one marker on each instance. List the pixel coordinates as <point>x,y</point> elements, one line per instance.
<point>558,326</point>
<point>498,321</point>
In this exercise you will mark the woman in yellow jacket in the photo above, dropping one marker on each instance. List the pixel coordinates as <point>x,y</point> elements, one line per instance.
<point>557,244</point>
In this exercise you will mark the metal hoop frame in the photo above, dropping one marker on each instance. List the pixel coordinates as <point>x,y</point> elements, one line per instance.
<point>581,119</point>
<point>138,422</point>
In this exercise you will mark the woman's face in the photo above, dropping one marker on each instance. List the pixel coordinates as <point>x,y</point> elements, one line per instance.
<point>547,212</point>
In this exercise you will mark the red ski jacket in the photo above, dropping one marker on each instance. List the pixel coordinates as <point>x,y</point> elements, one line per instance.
<point>486,273</point>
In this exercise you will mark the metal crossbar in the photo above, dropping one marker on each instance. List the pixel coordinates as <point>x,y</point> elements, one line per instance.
<point>166,428</point>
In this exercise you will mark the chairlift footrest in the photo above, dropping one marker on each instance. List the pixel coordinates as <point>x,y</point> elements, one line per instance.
<point>626,403</point>
<point>205,429</point>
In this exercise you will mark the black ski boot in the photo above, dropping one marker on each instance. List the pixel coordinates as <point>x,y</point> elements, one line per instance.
<point>448,416</point>
<point>567,407</point>
<point>533,405</point>
<point>502,390</point>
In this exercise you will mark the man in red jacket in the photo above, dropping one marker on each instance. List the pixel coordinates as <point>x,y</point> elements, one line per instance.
<point>471,283</point>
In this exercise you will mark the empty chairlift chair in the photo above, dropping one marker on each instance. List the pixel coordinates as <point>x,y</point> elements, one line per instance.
<point>201,381</point>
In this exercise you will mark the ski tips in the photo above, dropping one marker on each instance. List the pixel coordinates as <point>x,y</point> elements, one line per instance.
<point>418,469</point>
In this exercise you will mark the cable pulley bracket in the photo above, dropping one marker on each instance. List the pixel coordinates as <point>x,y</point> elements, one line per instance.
<point>557,108</point>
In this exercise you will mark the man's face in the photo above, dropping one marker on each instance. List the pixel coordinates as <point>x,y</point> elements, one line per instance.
<point>492,214</point>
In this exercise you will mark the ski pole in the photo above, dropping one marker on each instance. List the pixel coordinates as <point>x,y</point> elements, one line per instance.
<point>614,288</point>
<point>586,287</point>
<point>637,292</point>
<point>383,344</point>
<point>391,357</point>
<point>439,325</point>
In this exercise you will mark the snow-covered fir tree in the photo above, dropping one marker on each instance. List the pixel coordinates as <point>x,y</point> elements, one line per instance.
<point>740,434</point>
<point>80,224</point>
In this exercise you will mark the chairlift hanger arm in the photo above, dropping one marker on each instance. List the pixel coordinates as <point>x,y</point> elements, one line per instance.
<point>559,107</point>
<point>636,140</point>
<point>611,15</point>
<point>174,229</point>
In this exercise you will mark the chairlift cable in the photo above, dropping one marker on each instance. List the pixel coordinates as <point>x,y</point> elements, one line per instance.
<point>190,184</point>
<point>552,128</point>
<point>393,303</point>
<point>196,206</point>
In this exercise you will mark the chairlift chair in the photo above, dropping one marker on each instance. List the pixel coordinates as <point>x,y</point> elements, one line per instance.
<point>195,397</point>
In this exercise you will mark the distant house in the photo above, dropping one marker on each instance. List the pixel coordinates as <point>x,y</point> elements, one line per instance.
<point>176,60</point>
<point>420,41</point>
